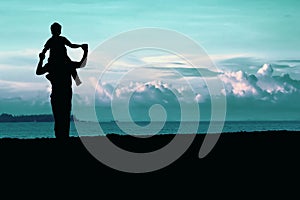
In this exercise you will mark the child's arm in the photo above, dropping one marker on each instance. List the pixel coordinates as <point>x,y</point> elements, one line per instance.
<point>69,44</point>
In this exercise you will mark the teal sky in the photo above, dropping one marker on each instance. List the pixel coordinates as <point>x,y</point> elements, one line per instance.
<point>238,35</point>
<point>261,27</point>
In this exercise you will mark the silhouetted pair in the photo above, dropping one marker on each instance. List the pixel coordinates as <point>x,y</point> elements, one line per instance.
<point>60,68</point>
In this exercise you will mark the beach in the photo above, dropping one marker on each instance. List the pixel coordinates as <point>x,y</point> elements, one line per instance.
<point>238,158</point>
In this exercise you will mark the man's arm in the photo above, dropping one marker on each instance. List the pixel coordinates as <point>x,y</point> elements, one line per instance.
<point>40,70</point>
<point>46,47</point>
<point>45,50</point>
<point>84,57</point>
<point>82,62</point>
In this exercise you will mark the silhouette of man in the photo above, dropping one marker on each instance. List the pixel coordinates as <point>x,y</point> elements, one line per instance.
<point>61,95</point>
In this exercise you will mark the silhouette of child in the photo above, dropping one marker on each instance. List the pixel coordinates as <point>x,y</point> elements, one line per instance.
<point>73,65</point>
<point>58,51</point>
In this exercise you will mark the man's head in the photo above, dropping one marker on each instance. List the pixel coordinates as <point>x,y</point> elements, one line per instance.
<point>55,29</point>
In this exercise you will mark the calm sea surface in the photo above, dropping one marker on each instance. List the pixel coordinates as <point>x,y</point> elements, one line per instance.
<point>45,129</point>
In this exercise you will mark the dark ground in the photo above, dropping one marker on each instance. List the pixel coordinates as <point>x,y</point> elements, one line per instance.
<point>240,162</point>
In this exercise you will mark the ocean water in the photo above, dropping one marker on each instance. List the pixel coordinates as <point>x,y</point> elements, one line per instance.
<point>45,129</point>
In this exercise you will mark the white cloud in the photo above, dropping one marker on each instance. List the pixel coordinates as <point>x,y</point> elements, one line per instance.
<point>144,93</point>
<point>261,85</point>
<point>199,98</point>
<point>265,70</point>
<point>237,83</point>
<point>21,86</point>
<point>148,86</point>
<point>19,58</point>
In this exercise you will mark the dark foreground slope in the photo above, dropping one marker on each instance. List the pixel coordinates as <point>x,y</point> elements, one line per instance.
<point>239,161</point>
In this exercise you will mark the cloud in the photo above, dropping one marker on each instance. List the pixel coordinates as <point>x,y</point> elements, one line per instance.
<point>187,72</point>
<point>249,95</point>
<point>199,98</point>
<point>265,70</point>
<point>289,61</point>
<point>259,89</point>
<point>237,84</point>
<point>240,61</point>
<point>22,89</point>
<point>137,97</point>
<point>26,57</point>
<point>140,93</point>
<point>261,85</point>
<point>281,66</point>
<point>261,95</point>
<point>39,104</point>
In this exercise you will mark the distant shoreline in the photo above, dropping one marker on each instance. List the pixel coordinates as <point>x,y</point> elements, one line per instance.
<point>121,136</point>
<point>5,117</point>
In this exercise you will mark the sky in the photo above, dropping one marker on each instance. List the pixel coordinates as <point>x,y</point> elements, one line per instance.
<point>254,45</point>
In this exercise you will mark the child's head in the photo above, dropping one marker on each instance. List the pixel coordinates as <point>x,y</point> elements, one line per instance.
<point>56,29</point>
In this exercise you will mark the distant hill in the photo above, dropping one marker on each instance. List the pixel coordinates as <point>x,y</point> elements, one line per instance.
<point>4,117</point>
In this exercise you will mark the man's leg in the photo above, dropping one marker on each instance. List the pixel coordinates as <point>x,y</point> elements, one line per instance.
<point>66,113</point>
<point>57,117</point>
<point>61,108</point>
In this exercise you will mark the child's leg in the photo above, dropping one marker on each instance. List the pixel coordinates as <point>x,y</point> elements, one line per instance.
<point>76,77</point>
